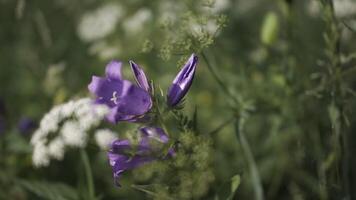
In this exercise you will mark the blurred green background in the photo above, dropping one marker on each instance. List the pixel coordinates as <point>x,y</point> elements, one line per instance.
<point>274,91</point>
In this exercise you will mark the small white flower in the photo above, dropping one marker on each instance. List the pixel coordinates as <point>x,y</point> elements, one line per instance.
<point>104,137</point>
<point>73,134</point>
<point>344,8</point>
<point>78,117</point>
<point>56,148</point>
<point>136,23</point>
<point>99,23</point>
<point>40,157</point>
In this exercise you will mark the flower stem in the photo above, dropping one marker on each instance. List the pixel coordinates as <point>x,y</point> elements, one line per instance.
<point>224,88</point>
<point>88,174</point>
<point>256,181</point>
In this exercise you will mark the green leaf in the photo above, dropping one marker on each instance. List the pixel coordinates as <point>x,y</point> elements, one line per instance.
<point>270,28</point>
<point>50,190</point>
<point>235,183</point>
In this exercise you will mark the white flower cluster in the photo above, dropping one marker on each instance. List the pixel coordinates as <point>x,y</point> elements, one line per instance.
<point>136,23</point>
<point>77,117</point>
<point>99,23</point>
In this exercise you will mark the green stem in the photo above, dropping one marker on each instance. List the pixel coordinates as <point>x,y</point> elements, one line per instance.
<point>217,78</point>
<point>222,126</point>
<point>246,149</point>
<point>88,174</point>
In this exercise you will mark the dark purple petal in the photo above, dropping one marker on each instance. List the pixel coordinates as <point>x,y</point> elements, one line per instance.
<point>120,146</point>
<point>113,70</point>
<point>140,76</point>
<point>182,82</point>
<point>26,125</point>
<point>120,161</point>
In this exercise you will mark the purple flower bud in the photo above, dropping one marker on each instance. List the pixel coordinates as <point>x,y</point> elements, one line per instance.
<point>182,82</point>
<point>140,76</point>
<point>125,156</point>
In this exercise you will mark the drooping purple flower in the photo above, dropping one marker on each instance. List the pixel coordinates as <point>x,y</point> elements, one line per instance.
<point>127,102</point>
<point>26,125</point>
<point>125,156</point>
<point>140,76</point>
<point>182,82</point>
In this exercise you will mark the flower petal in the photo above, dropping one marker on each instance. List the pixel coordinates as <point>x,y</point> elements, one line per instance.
<point>182,81</point>
<point>113,70</point>
<point>106,90</point>
<point>133,100</point>
<point>140,76</point>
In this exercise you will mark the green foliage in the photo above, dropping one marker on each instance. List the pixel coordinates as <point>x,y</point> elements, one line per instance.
<point>188,175</point>
<point>279,75</point>
<point>50,190</point>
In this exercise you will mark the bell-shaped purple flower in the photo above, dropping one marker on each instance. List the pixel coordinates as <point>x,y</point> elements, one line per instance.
<point>140,76</point>
<point>125,156</point>
<point>127,102</point>
<point>182,82</point>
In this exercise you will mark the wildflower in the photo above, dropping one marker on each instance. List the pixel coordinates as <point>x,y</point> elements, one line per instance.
<point>140,76</point>
<point>123,155</point>
<point>182,82</point>
<point>127,102</point>
<point>65,125</point>
<point>26,125</point>
<point>98,24</point>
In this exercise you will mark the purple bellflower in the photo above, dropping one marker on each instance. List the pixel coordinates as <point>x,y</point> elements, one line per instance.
<point>125,156</point>
<point>127,101</point>
<point>182,82</point>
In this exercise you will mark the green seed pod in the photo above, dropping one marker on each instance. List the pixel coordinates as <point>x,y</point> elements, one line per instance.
<point>269,31</point>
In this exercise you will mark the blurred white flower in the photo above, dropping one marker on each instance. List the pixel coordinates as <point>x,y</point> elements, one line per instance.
<point>168,11</point>
<point>78,117</point>
<point>100,22</point>
<point>56,148</point>
<point>40,157</point>
<point>73,134</point>
<point>220,5</point>
<point>344,8</point>
<point>104,50</point>
<point>210,27</point>
<point>104,137</point>
<point>136,23</point>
